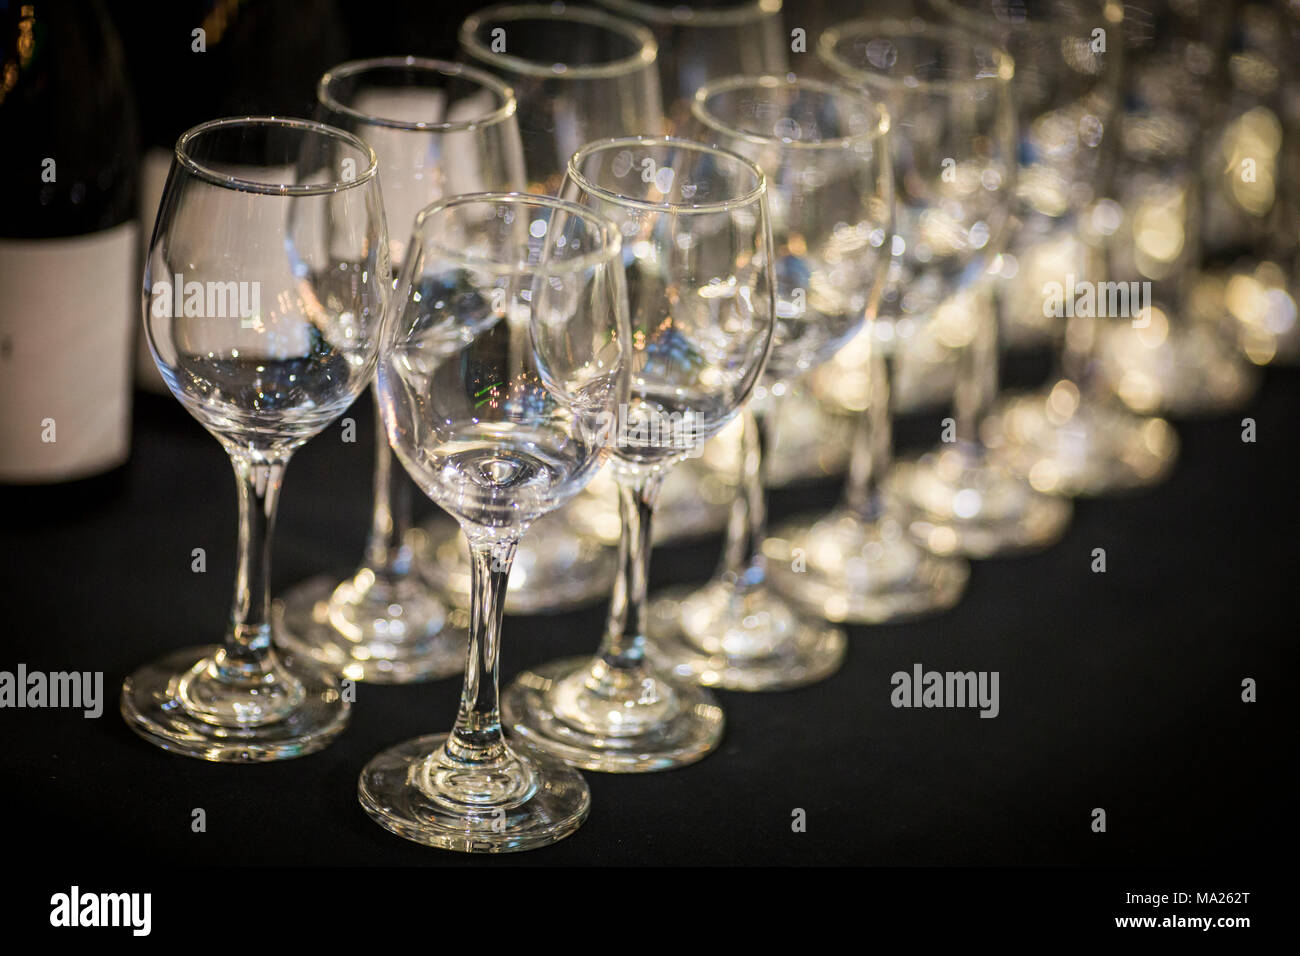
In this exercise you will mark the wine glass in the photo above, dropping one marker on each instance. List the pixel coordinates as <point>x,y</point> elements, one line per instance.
<point>502,370</point>
<point>1250,165</point>
<point>438,129</point>
<point>579,74</point>
<point>705,40</point>
<point>953,168</point>
<point>698,249</point>
<point>264,288</point>
<point>1073,436</point>
<point>1169,358</point>
<point>962,499</point>
<point>699,41</point>
<point>825,152</point>
<point>816,419</point>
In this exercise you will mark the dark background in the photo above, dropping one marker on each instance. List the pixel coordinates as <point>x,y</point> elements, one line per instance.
<point>1119,690</point>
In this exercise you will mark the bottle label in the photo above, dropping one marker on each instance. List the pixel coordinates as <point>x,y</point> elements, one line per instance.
<point>67,323</point>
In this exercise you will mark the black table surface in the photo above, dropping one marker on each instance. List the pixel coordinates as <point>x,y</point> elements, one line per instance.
<point>1120,690</point>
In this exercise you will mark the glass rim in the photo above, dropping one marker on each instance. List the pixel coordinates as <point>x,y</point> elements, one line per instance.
<point>646,54</point>
<point>718,205</point>
<point>241,184</point>
<point>1112,11</point>
<point>1005,63</point>
<point>611,240</point>
<point>684,14</point>
<point>352,68</point>
<point>728,84</point>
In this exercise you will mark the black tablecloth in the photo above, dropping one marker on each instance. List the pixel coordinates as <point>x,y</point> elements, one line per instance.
<point>1119,690</point>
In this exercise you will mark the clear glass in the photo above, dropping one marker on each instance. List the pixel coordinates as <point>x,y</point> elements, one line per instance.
<point>832,397</point>
<point>439,129</point>
<point>698,250</point>
<point>579,75</point>
<point>953,171</point>
<point>824,148</point>
<point>1171,357</point>
<point>264,289</point>
<point>1251,256</point>
<point>1073,436</point>
<point>705,40</point>
<point>959,498</point>
<point>502,371</point>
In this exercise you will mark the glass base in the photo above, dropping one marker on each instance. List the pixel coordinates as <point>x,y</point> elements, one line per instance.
<point>1184,369</point>
<point>762,644</point>
<point>556,567</point>
<point>593,717</point>
<point>863,572</point>
<point>523,801</point>
<point>1067,447</point>
<point>179,704</point>
<point>960,504</point>
<point>393,634</point>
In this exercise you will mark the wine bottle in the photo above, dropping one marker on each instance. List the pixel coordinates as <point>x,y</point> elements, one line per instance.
<point>68,243</point>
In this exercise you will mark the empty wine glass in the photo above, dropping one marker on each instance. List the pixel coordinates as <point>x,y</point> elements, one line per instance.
<point>1169,358</point>
<point>824,149</point>
<point>439,129</point>
<point>705,40</point>
<point>924,361</point>
<point>698,249</point>
<point>580,74</point>
<point>700,41</point>
<point>502,370</point>
<point>1250,242</point>
<point>1074,436</point>
<point>953,166</point>
<point>963,500</point>
<point>264,288</point>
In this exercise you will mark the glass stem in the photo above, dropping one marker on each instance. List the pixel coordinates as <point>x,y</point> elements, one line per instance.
<point>977,374</point>
<point>743,565</point>
<point>247,652</point>
<point>477,736</point>
<point>623,647</point>
<point>873,439</point>
<point>387,552</point>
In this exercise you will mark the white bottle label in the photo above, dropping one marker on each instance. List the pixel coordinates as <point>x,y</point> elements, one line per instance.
<point>68,313</point>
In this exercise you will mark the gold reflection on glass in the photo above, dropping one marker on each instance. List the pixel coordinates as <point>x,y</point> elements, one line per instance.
<point>1253,73</point>
<point>26,40</point>
<point>1062,402</point>
<point>1250,150</point>
<point>956,320</point>
<point>1159,230</point>
<point>1265,310</point>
